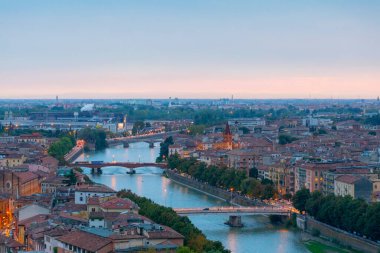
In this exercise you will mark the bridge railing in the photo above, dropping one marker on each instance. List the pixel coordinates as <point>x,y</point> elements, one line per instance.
<point>234,209</point>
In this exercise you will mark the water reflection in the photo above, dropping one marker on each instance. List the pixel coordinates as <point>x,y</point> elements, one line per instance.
<point>257,236</point>
<point>232,242</point>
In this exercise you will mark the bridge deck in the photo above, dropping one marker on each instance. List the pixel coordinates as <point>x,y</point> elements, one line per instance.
<point>234,211</point>
<point>128,165</point>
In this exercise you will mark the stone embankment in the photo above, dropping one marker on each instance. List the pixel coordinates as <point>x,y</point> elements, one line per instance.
<point>232,198</point>
<point>74,153</point>
<point>338,236</point>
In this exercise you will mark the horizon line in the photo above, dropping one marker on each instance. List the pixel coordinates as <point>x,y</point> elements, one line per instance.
<point>190,98</point>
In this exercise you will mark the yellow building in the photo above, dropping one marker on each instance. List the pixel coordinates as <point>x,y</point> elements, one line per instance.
<point>12,160</point>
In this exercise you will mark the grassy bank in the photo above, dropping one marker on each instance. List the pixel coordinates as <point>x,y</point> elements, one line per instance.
<point>318,247</point>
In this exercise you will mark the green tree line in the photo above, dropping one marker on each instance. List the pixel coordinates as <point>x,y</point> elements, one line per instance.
<point>194,238</point>
<point>60,148</point>
<point>352,215</point>
<point>223,177</point>
<point>164,149</point>
<point>94,136</point>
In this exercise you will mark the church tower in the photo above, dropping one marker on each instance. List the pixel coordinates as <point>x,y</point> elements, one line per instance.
<point>227,136</point>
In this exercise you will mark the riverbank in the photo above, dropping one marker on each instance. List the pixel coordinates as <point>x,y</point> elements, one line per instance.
<point>335,237</point>
<point>231,198</point>
<point>257,236</point>
<point>194,238</point>
<point>74,153</point>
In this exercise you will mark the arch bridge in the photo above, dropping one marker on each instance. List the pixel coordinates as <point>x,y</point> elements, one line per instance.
<point>149,138</point>
<point>232,210</point>
<point>235,213</point>
<point>129,165</point>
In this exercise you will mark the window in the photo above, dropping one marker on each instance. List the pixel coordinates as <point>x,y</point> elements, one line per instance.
<point>81,199</point>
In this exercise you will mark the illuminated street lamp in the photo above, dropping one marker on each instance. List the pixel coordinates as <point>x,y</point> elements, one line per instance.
<point>232,190</point>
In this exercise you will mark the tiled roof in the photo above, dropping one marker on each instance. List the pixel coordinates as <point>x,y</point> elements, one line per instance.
<point>35,219</point>
<point>348,179</point>
<point>84,240</point>
<point>95,188</point>
<point>26,176</point>
<point>118,203</point>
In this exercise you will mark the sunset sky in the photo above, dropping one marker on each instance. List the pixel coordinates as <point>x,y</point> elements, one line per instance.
<point>189,49</point>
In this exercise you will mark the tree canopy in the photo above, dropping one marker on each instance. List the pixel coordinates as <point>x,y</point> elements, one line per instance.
<point>352,215</point>
<point>195,240</point>
<point>222,177</point>
<point>60,148</point>
<point>94,136</point>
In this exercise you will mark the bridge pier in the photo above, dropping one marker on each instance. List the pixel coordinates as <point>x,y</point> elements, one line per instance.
<point>99,171</point>
<point>234,221</point>
<point>131,171</point>
<point>126,145</point>
<point>151,144</point>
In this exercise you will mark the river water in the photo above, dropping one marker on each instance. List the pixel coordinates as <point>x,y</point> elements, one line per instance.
<point>257,235</point>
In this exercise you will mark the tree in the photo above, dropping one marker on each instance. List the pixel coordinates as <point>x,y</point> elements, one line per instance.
<point>164,149</point>
<point>300,198</point>
<point>285,139</point>
<point>252,187</point>
<point>372,225</point>
<point>137,126</point>
<point>60,148</point>
<point>184,249</point>
<point>195,240</point>
<point>245,130</point>
<point>196,129</point>
<point>268,192</point>
<point>96,137</point>
<point>312,205</point>
<point>287,196</point>
<point>71,178</point>
<point>253,172</point>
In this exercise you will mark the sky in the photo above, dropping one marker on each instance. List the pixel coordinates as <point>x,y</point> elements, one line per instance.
<point>190,49</point>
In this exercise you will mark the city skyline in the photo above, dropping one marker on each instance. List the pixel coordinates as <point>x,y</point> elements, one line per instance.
<point>197,49</point>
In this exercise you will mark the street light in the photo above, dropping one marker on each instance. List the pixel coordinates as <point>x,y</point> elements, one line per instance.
<point>232,190</point>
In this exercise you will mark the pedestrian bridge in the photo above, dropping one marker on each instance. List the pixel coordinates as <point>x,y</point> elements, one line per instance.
<point>235,211</point>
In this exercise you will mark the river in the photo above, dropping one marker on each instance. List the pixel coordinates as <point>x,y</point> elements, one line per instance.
<point>257,235</point>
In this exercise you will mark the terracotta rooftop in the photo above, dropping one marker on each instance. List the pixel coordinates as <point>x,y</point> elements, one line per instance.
<point>26,176</point>
<point>84,240</point>
<point>118,203</point>
<point>95,188</point>
<point>166,233</point>
<point>35,219</point>
<point>348,179</point>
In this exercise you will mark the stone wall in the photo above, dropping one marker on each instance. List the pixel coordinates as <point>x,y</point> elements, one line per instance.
<point>344,238</point>
<point>217,192</point>
<point>74,153</point>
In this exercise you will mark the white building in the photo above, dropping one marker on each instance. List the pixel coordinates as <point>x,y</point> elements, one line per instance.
<point>83,192</point>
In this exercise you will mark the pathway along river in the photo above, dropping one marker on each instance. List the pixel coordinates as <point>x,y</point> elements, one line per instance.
<point>257,236</point>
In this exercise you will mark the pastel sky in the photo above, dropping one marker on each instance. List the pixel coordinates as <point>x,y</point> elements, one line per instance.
<point>189,49</point>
